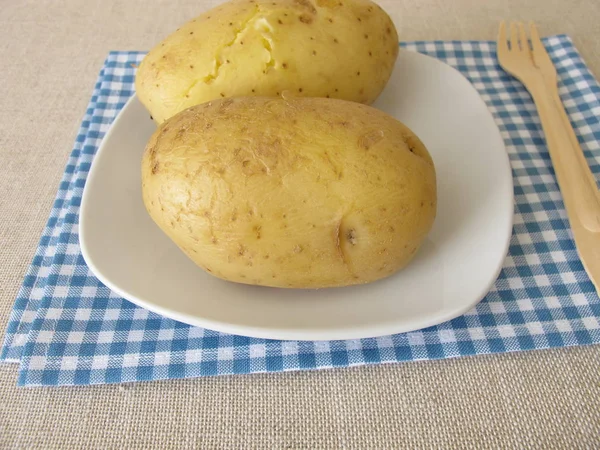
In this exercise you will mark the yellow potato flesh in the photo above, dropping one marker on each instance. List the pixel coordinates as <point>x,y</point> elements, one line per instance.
<point>341,49</point>
<point>303,193</point>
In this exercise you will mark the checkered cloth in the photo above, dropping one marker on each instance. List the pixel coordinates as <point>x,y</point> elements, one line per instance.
<point>67,328</point>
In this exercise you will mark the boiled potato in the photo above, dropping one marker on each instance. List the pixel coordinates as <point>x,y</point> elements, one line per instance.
<point>302,193</point>
<point>316,48</point>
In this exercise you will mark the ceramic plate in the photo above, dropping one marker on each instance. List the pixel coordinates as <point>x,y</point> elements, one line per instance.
<point>451,273</point>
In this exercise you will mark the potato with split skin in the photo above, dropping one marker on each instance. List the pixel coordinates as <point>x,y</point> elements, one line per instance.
<point>313,48</point>
<point>297,193</point>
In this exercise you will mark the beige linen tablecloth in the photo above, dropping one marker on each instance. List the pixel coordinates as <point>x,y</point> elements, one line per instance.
<point>50,55</point>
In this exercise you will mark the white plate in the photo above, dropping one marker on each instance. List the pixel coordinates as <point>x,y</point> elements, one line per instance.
<point>451,273</point>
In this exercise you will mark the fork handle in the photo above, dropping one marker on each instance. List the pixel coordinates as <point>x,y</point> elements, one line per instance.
<point>572,172</point>
<point>574,141</point>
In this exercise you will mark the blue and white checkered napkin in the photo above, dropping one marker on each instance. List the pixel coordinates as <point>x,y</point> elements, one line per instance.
<point>67,328</point>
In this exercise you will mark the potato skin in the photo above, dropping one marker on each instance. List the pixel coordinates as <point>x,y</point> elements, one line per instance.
<point>297,193</point>
<point>315,48</point>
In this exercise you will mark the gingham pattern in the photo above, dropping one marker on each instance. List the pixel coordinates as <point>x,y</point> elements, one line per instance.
<point>34,284</point>
<point>82,333</point>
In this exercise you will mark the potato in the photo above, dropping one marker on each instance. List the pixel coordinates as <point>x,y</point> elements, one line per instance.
<point>296,193</point>
<point>315,48</point>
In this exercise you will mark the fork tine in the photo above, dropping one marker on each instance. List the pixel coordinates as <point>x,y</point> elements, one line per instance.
<point>524,39</point>
<point>502,42</point>
<point>541,59</point>
<point>514,38</point>
<point>536,42</point>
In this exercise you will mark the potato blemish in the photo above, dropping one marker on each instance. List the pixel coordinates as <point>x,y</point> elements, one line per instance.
<point>307,4</point>
<point>368,140</point>
<point>351,236</point>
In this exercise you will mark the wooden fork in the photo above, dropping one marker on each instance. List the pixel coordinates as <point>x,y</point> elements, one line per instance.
<point>531,65</point>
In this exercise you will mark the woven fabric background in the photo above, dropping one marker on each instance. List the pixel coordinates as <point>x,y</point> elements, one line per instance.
<point>81,333</point>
